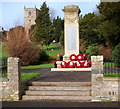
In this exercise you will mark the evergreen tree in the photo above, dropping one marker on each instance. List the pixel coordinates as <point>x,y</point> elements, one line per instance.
<point>89,28</point>
<point>58,24</point>
<point>44,31</point>
<point>110,28</point>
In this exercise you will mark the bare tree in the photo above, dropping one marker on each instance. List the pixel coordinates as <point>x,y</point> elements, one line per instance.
<point>18,45</point>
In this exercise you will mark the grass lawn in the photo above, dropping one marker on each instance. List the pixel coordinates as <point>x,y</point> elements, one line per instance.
<point>50,65</point>
<point>29,76</point>
<point>3,53</point>
<point>52,50</point>
<point>54,53</point>
<point>25,76</point>
<point>50,47</point>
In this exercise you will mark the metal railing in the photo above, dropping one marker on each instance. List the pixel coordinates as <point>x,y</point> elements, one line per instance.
<point>111,69</point>
<point>3,67</point>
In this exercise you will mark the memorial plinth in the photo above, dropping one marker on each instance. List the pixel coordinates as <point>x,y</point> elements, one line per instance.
<point>71,31</point>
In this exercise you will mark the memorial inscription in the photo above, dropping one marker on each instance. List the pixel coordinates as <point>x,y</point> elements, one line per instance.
<point>71,38</point>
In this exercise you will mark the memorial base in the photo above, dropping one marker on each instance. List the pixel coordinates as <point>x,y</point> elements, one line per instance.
<point>71,69</point>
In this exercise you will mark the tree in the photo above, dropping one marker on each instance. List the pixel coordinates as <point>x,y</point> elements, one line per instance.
<point>116,54</point>
<point>17,45</point>
<point>89,28</point>
<point>62,38</point>
<point>110,28</point>
<point>58,24</point>
<point>43,32</point>
<point>92,50</point>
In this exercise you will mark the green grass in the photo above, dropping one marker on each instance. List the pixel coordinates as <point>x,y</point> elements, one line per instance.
<point>29,76</point>
<point>112,75</point>
<point>50,65</point>
<point>50,47</point>
<point>3,53</point>
<point>25,76</point>
<point>54,53</point>
<point>52,50</point>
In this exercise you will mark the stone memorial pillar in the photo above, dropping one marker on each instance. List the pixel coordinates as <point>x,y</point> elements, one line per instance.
<point>71,30</point>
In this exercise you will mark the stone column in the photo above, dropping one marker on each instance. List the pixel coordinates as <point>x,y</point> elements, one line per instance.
<point>97,77</point>
<point>14,78</point>
<point>71,30</point>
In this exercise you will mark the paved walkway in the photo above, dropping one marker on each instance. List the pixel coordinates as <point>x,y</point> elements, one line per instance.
<point>60,104</point>
<point>64,77</point>
<point>60,76</point>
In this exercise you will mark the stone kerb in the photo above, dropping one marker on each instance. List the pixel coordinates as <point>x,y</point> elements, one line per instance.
<point>97,77</point>
<point>14,78</point>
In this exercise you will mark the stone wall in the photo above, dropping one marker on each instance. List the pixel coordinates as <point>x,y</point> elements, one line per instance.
<point>4,89</point>
<point>111,89</point>
<point>103,88</point>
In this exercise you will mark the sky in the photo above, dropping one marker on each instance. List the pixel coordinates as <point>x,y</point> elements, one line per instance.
<point>12,11</point>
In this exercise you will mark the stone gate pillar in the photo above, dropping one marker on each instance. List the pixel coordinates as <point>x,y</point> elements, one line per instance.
<point>97,77</point>
<point>71,30</point>
<point>14,78</point>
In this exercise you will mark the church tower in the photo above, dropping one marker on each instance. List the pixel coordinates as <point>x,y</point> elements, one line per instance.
<point>30,15</point>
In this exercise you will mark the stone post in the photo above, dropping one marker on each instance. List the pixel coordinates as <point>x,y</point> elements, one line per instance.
<point>71,30</point>
<point>14,78</point>
<point>97,77</point>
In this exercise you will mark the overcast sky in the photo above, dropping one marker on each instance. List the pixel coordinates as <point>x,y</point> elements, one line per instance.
<point>12,11</point>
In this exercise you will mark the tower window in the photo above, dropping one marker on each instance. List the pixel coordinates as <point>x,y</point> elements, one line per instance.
<point>29,13</point>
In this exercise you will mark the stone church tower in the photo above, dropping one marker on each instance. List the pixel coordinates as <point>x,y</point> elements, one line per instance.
<point>30,15</point>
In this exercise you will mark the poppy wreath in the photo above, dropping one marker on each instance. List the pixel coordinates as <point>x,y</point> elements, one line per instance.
<point>71,64</point>
<point>55,64</point>
<point>73,57</point>
<point>78,65</point>
<point>86,64</point>
<point>60,56</point>
<point>85,56</point>
<point>79,57</point>
<point>82,63</point>
<point>63,64</point>
<point>90,63</point>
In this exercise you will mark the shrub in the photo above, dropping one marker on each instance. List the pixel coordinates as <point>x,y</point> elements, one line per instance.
<point>18,45</point>
<point>43,58</point>
<point>116,54</point>
<point>92,50</point>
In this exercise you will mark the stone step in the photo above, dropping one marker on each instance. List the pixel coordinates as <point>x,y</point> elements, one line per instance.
<point>63,98</point>
<point>59,83</point>
<point>59,93</point>
<point>58,88</point>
